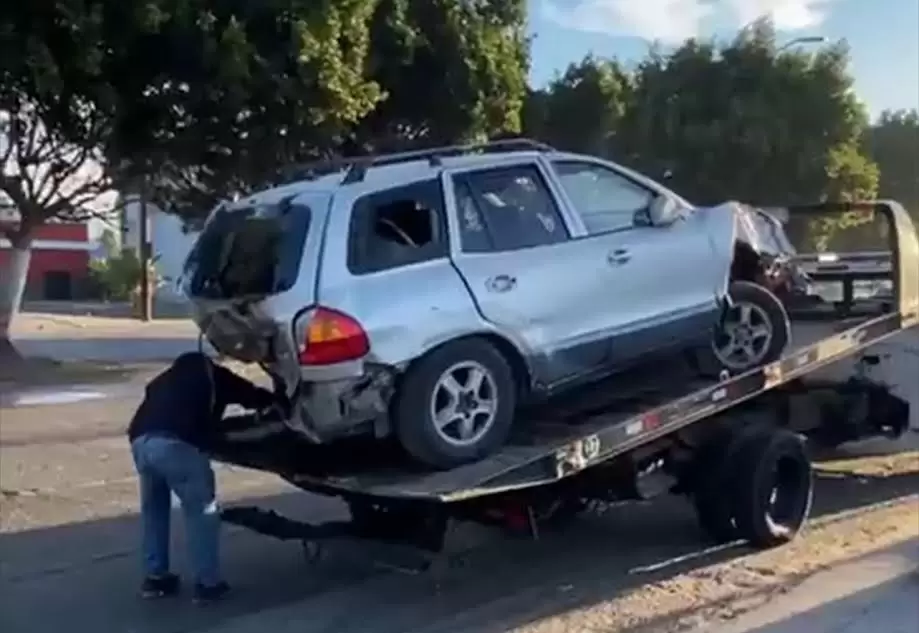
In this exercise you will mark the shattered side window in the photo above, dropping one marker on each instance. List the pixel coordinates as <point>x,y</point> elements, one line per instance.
<point>513,206</point>
<point>397,227</point>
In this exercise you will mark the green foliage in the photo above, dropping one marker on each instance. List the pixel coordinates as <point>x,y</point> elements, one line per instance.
<point>893,143</point>
<point>581,110</point>
<point>747,121</point>
<point>216,97</point>
<point>451,71</point>
<point>193,100</point>
<point>118,275</point>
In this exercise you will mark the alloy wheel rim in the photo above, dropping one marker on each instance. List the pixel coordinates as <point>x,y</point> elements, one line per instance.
<point>464,403</point>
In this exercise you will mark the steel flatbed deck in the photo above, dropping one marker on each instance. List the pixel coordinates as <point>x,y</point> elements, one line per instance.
<point>567,438</point>
<point>564,440</point>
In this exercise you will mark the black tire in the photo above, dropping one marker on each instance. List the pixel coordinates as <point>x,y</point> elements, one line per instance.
<point>773,488</point>
<point>413,424</point>
<point>745,292</point>
<point>712,486</point>
<point>711,494</point>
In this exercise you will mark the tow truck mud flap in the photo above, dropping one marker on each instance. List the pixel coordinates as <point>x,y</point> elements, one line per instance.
<point>851,411</point>
<point>875,411</point>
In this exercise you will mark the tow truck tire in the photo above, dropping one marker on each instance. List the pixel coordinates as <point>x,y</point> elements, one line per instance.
<point>412,418</point>
<point>712,484</point>
<point>773,488</point>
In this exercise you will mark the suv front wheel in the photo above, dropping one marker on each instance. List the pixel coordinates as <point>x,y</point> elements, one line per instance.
<point>755,331</point>
<point>456,404</point>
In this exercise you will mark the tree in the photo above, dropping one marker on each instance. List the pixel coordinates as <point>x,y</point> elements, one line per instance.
<point>748,121</point>
<point>239,90</point>
<point>751,121</point>
<point>193,98</point>
<point>50,151</point>
<point>582,108</point>
<point>893,143</point>
<point>450,71</point>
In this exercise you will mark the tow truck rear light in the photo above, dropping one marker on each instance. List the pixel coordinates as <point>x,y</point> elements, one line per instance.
<point>330,336</point>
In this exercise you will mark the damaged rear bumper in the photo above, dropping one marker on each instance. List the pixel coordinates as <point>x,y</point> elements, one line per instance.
<point>326,410</point>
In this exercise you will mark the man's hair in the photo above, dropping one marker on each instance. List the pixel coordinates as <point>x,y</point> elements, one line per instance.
<point>199,360</point>
<point>187,359</point>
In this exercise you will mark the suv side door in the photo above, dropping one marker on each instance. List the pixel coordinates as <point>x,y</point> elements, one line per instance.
<point>530,279</point>
<point>670,297</point>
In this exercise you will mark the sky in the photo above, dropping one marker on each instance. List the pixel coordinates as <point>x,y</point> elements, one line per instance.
<point>883,35</point>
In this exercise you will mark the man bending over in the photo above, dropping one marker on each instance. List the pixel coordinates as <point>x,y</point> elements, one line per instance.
<point>181,409</point>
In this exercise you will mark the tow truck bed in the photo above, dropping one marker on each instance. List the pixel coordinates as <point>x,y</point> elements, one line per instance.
<point>590,427</point>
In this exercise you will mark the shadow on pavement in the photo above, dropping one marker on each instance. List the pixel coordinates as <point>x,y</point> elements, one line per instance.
<point>86,574</point>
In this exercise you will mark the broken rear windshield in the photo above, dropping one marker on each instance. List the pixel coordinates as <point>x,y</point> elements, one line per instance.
<point>248,251</point>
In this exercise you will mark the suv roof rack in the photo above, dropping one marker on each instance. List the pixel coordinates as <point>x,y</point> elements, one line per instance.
<point>357,166</point>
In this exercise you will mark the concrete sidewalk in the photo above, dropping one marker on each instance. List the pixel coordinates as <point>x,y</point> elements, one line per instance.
<point>876,594</point>
<point>99,338</point>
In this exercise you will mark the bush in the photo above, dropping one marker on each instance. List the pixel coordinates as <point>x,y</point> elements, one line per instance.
<point>119,274</point>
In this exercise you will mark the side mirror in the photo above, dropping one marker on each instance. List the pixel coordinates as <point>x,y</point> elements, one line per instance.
<point>664,211</point>
<point>642,217</point>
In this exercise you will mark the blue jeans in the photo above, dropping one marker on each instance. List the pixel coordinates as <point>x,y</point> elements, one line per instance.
<point>167,464</point>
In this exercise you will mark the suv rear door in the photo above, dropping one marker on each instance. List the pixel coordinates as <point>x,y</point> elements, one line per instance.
<point>251,269</point>
<point>513,246</point>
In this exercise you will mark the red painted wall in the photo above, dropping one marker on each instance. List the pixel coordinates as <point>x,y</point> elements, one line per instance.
<point>68,232</point>
<point>74,263</point>
<point>71,232</point>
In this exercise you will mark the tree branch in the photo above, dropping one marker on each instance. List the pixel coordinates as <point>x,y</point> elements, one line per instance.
<point>46,176</point>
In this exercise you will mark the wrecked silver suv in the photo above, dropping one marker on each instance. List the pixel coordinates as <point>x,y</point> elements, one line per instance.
<point>428,295</point>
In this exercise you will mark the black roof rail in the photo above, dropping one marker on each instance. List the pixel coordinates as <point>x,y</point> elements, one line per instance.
<point>315,169</point>
<point>357,166</point>
<point>434,155</point>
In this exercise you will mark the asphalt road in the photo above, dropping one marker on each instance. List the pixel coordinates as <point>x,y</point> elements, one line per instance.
<point>68,535</point>
<point>68,540</point>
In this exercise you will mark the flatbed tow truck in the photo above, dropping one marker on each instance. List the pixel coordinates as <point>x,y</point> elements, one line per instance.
<point>736,446</point>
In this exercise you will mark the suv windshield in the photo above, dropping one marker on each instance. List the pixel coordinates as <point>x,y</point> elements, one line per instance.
<point>248,251</point>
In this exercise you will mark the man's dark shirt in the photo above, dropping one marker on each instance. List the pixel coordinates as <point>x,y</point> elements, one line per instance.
<point>187,401</point>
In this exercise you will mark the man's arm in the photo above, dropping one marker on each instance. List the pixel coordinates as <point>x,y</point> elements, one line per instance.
<point>237,390</point>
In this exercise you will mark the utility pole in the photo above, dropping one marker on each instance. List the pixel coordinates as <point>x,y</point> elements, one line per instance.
<point>146,299</point>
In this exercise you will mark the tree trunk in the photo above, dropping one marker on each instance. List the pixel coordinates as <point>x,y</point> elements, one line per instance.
<point>12,287</point>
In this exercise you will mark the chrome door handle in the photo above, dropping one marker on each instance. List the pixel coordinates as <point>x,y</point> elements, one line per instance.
<point>618,257</point>
<point>501,283</point>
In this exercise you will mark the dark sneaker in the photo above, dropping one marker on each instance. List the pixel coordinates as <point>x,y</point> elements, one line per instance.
<point>159,586</point>
<point>206,595</point>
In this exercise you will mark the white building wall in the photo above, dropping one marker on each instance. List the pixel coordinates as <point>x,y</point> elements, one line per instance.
<point>169,243</point>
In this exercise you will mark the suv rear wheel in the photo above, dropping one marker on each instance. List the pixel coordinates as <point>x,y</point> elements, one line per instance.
<point>456,404</point>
